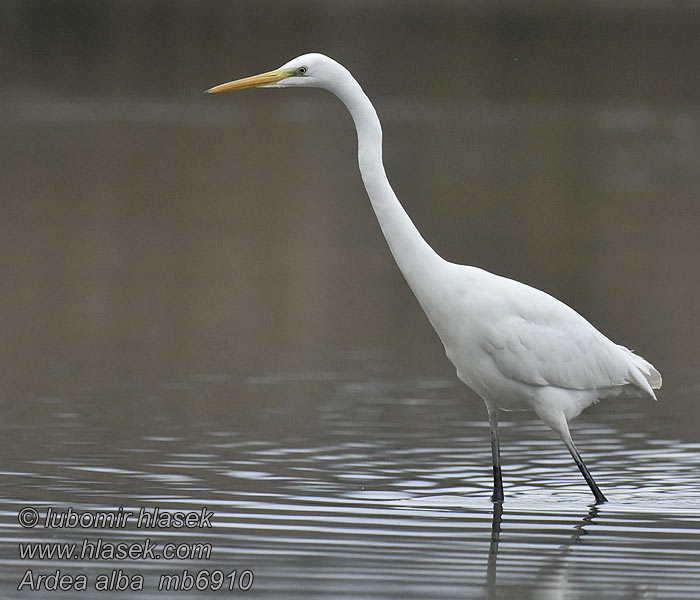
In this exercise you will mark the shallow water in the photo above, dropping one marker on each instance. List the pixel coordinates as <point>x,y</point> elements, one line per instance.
<point>365,487</point>
<point>200,310</point>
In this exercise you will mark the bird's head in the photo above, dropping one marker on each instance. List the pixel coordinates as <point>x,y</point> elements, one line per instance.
<point>308,70</point>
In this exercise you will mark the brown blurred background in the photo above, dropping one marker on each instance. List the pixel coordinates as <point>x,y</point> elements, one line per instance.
<point>149,232</point>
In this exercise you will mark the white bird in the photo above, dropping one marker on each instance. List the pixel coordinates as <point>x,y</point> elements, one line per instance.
<point>515,346</point>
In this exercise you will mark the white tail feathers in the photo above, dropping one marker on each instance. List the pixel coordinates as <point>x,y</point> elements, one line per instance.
<point>643,375</point>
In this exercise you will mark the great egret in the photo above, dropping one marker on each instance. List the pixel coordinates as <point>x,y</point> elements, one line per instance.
<point>515,346</point>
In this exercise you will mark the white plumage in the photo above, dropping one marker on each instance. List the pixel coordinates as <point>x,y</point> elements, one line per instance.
<point>515,346</point>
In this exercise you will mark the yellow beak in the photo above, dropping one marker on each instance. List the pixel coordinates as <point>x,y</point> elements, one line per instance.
<point>254,81</point>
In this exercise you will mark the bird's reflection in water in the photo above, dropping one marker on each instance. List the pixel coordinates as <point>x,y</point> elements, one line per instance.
<point>493,549</point>
<point>553,576</point>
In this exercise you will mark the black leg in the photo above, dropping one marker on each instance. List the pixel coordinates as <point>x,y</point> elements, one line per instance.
<point>599,498</point>
<point>497,495</point>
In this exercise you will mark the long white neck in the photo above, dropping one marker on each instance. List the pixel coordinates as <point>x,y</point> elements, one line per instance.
<point>412,253</point>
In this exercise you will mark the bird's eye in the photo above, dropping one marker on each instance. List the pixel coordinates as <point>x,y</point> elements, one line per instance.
<point>301,70</point>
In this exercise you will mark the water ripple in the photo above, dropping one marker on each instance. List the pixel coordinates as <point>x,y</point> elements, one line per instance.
<point>395,506</point>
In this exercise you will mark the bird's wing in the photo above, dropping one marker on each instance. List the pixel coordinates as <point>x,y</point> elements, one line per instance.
<point>541,341</point>
<point>565,355</point>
